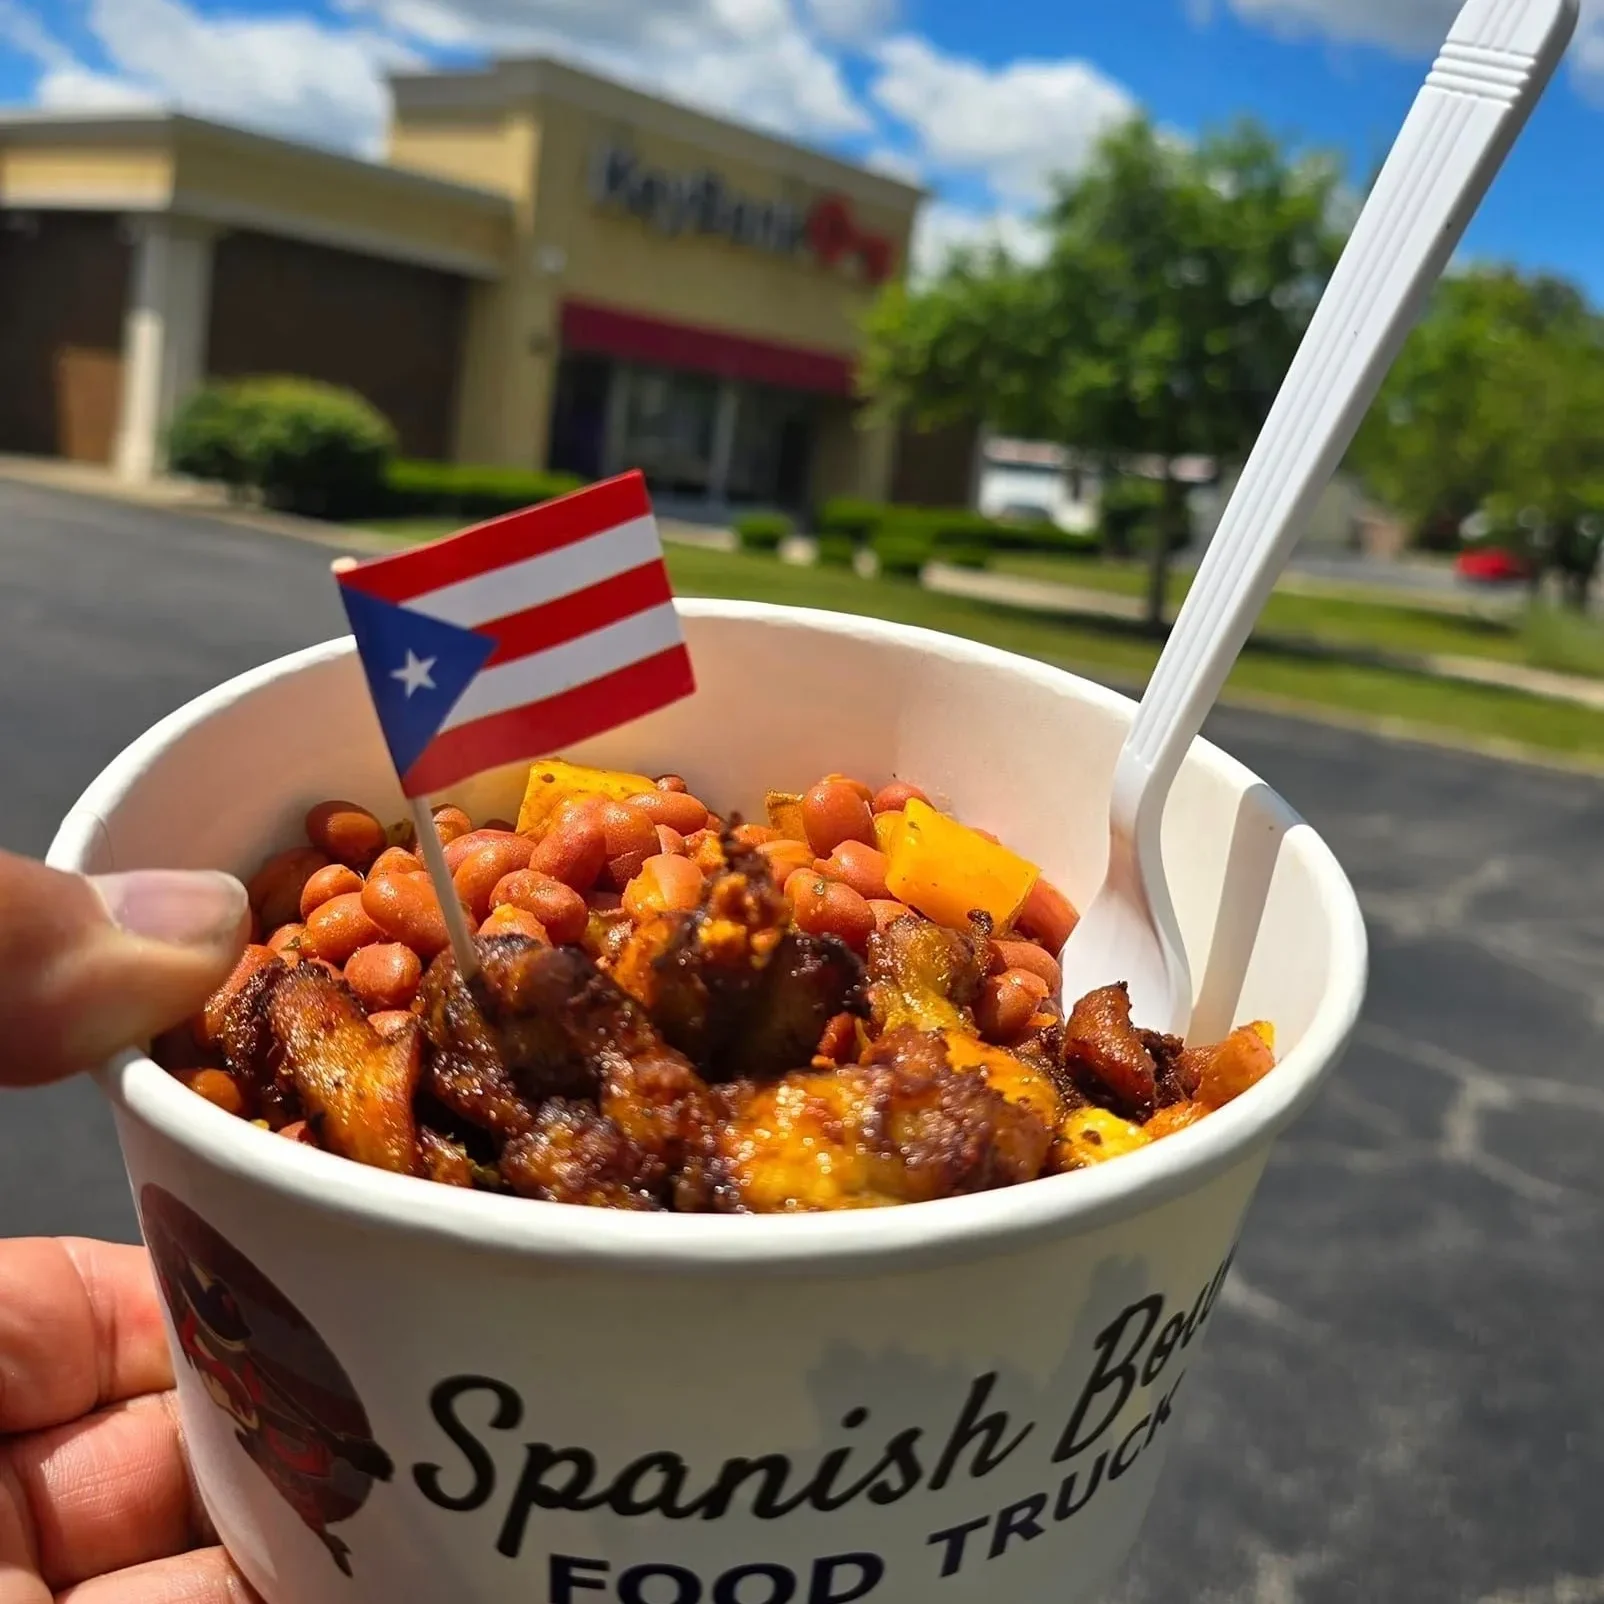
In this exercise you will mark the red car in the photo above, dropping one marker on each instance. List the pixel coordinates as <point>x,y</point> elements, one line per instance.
<point>1491,565</point>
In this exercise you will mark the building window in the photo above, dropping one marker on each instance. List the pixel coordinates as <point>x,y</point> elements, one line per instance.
<point>579,416</point>
<point>667,428</point>
<point>773,456</point>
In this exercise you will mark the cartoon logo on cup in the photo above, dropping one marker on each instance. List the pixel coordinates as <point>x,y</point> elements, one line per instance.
<point>294,1409</point>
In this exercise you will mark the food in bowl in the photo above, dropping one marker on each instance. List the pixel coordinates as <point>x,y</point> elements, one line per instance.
<point>851,1006</point>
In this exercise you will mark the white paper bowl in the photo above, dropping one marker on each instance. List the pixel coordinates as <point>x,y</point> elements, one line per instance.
<point>566,1394</point>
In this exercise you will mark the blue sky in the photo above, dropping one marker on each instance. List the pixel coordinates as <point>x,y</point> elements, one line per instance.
<point>980,102</point>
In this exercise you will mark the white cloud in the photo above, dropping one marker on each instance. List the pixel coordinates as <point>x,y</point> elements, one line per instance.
<point>74,88</point>
<point>1409,28</point>
<point>1413,27</point>
<point>1015,125</point>
<point>26,34</point>
<point>943,228</point>
<point>895,164</point>
<point>783,83</point>
<point>286,74</point>
<point>852,20</point>
<point>1587,53</point>
<point>750,59</point>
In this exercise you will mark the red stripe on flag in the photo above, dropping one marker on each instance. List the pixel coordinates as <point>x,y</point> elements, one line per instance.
<point>609,601</point>
<point>539,729</point>
<point>520,535</point>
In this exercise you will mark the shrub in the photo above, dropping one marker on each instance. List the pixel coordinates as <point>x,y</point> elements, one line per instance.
<point>305,446</point>
<point>856,521</point>
<point>1043,537</point>
<point>206,438</point>
<point>952,529</point>
<point>763,531</point>
<point>414,489</point>
<point>836,550</point>
<point>903,548</point>
<point>971,554</point>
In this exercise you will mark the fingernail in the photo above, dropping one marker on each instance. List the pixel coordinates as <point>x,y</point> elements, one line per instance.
<point>182,907</point>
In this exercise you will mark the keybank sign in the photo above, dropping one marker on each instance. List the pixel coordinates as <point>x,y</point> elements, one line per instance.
<point>702,203</point>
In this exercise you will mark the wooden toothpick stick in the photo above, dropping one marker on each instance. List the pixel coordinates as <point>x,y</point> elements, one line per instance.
<point>434,859</point>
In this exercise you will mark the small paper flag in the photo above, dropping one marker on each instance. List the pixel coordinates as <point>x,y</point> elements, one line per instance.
<point>520,636</point>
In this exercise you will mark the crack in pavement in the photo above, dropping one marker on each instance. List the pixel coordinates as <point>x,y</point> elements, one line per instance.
<point>1562,1590</point>
<point>1241,1296</point>
<point>1460,1138</point>
<point>1411,915</point>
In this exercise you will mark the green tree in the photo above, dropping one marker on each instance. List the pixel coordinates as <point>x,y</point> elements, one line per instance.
<point>1553,466</point>
<point>1496,406</point>
<point>1176,284</point>
<point>1456,410</point>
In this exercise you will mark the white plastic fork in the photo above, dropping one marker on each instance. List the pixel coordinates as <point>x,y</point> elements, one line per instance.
<point>1496,62</point>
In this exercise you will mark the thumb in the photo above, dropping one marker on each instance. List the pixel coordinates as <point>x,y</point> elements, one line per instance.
<point>91,965</point>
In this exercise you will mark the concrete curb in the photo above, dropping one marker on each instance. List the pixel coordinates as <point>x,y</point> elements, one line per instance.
<point>188,500</point>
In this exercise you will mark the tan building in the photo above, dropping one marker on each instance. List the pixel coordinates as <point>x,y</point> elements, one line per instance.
<point>547,270</point>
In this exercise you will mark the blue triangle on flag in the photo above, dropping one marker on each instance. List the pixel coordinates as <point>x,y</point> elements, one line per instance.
<point>417,668</point>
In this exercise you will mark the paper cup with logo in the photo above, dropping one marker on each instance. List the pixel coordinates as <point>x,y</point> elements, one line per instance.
<point>398,1390</point>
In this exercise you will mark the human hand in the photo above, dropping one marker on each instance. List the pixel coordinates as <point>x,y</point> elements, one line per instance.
<point>89,965</point>
<point>97,1505</point>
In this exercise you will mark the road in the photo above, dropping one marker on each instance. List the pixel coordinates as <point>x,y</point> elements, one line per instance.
<point>1400,1403</point>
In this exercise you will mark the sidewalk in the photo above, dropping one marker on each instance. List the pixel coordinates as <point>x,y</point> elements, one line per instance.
<point>173,494</point>
<point>1043,596</point>
<point>188,495</point>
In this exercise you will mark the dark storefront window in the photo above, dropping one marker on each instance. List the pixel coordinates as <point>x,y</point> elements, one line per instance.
<point>579,416</point>
<point>691,434</point>
<point>773,447</point>
<point>667,429</point>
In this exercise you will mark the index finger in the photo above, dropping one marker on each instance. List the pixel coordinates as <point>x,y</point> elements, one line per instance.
<point>80,1327</point>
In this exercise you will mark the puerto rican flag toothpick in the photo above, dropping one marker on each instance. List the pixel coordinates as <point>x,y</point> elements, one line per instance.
<point>514,639</point>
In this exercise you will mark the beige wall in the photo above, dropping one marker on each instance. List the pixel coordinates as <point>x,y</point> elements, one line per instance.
<point>535,141</point>
<point>509,363</point>
<point>87,177</point>
<point>326,200</point>
<point>526,232</point>
<point>504,390</point>
<point>489,147</point>
<point>851,458</point>
<point>622,261</point>
<point>237,179</point>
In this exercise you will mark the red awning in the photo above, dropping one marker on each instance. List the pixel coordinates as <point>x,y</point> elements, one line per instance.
<point>609,332</point>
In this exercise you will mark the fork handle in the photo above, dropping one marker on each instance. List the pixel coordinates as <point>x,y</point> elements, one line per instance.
<point>1489,74</point>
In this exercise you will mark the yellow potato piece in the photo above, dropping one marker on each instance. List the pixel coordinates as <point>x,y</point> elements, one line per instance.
<point>553,782</point>
<point>948,871</point>
<point>785,814</point>
<point>1012,1077</point>
<point>1093,1136</point>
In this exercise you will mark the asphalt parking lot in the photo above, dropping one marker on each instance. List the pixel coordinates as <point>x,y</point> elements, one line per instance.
<point>1401,1403</point>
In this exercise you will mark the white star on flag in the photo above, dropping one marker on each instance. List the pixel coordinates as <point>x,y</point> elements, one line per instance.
<point>414,673</point>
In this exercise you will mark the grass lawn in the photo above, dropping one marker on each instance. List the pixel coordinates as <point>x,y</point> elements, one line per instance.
<point>1110,651</point>
<point>414,531</point>
<point>1541,638</point>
